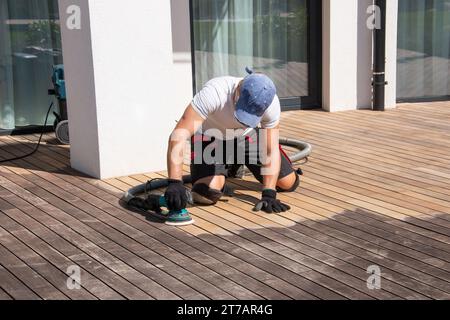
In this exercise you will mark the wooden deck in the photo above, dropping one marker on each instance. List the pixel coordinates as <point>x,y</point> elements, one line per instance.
<point>375,192</point>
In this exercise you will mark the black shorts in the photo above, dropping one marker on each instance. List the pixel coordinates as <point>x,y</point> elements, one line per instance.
<point>225,155</point>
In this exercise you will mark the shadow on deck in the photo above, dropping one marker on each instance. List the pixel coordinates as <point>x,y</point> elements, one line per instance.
<point>366,202</point>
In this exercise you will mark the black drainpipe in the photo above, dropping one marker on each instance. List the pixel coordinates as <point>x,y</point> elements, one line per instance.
<point>379,58</point>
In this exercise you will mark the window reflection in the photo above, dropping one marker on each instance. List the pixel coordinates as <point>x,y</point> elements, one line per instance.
<point>30,43</point>
<point>423,49</point>
<point>270,36</point>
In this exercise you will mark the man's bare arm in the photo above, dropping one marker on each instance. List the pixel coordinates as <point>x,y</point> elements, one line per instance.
<point>270,172</point>
<point>189,123</point>
<point>271,169</point>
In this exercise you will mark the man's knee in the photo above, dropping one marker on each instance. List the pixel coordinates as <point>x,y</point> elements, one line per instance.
<point>203,194</point>
<point>290,183</point>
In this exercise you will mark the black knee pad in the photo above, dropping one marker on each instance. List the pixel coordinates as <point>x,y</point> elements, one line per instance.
<point>294,186</point>
<point>203,194</point>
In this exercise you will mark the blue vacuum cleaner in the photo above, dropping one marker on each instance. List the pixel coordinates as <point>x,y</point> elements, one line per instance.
<point>61,124</point>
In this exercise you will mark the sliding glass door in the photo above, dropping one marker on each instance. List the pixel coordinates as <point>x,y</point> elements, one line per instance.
<point>423,66</point>
<point>280,38</point>
<point>29,45</point>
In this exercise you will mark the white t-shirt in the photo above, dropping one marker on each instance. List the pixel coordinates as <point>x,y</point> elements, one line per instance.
<point>214,103</point>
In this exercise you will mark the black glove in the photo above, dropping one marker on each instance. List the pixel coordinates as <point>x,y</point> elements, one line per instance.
<point>269,203</point>
<point>176,195</point>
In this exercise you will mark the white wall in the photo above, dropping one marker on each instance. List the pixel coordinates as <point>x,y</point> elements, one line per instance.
<point>82,110</point>
<point>138,89</point>
<point>391,53</point>
<point>364,57</point>
<point>347,55</point>
<point>340,49</point>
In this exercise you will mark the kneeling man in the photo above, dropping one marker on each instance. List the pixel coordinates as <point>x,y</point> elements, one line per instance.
<point>231,122</point>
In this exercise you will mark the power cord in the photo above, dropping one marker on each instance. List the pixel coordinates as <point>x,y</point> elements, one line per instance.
<point>38,144</point>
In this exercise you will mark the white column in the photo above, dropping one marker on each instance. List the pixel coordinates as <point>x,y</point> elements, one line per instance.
<point>364,62</point>
<point>126,86</point>
<point>391,53</point>
<point>347,55</point>
<point>340,54</point>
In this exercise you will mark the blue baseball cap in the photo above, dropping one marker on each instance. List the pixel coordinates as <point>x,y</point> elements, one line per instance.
<point>257,94</point>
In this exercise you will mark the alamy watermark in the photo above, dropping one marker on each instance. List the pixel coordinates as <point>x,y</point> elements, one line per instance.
<point>74,277</point>
<point>234,146</point>
<point>73,21</point>
<point>374,280</point>
<point>374,19</point>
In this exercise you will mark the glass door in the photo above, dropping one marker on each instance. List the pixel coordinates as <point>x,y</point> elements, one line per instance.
<point>280,38</point>
<point>423,63</point>
<point>30,44</point>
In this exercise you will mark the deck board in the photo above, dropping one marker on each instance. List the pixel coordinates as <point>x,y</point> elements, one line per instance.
<point>375,192</point>
<point>28,276</point>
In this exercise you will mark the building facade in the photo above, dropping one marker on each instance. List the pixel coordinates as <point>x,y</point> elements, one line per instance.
<point>132,68</point>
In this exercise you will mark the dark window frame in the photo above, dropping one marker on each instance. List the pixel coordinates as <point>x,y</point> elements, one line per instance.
<point>314,99</point>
